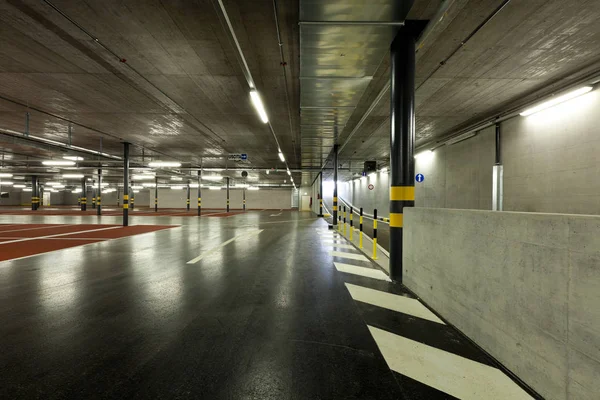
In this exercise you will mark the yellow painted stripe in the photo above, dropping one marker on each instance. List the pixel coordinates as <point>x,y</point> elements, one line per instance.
<point>125,206</point>
<point>334,208</point>
<point>335,199</point>
<point>361,219</point>
<point>374,224</point>
<point>402,193</point>
<point>125,197</point>
<point>396,220</point>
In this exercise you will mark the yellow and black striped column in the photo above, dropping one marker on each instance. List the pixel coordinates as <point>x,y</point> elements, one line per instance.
<point>227,194</point>
<point>125,184</point>
<point>335,178</point>
<point>200,192</point>
<point>83,195</point>
<point>402,140</point>
<point>189,191</point>
<point>360,239</point>
<point>99,198</point>
<point>35,200</point>
<point>374,234</point>
<point>155,194</point>
<point>244,198</point>
<point>320,194</point>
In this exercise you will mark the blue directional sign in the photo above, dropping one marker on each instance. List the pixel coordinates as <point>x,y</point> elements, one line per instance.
<point>244,156</point>
<point>420,177</point>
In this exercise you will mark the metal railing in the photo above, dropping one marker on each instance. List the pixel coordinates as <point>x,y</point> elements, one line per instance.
<point>367,216</point>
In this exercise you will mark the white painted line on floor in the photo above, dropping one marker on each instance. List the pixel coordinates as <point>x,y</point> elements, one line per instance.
<point>452,374</point>
<point>59,235</point>
<point>392,302</point>
<point>352,256</point>
<point>339,246</point>
<point>362,271</point>
<point>208,252</point>
<point>275,215</point>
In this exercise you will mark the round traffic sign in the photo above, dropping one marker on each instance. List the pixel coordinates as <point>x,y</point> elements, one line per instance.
<point>371,187</point>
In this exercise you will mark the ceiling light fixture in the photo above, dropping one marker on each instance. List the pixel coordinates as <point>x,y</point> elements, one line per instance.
<point>164,164</point>
<point>253,188</point>
<point>5,175</point>
<point>149,185</point>
<point>214,188</point>
<point>142,177</point>
<point>560,99</point>
<point>176,178</point>
<point>27,190</point>
<point>19,186</point>
<point>281,157</point>
<point>72,176</point>
<point>73,158</point>
<point>7,183</point>
<point>258,105</point>
<point>58,163</point>
<point>176,187</point>
<point>288,172</point>
<point>212,177</point>
<point>137,187</point>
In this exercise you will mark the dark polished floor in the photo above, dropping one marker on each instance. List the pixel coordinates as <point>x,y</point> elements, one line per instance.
<point>265,316</point>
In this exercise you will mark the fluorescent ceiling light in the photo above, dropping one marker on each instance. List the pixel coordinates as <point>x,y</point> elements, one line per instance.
<point>253,188</point>
<point>73,176</point>
<point>164,164</point>
<point>557,100</point>
<point>212,177</point>
<point>258,105</point>
<point>424,154</point>
<point>176,187</point>
<point>136,191</point>
<point>104,184</point>
<point>194,185</point>
<point>460,138</point>
<point>20,186</point>
<point>137,187</point>
<point>59,163</point>
<point>18,177</point>
<point>58,187</point>
<point>288,172</point>
<point>76,191</point>
<point>52,183</point>
<point>214,187</point>
<point>149,185</point>
<point>7,183</point>
<point>176,178</point>
<point>281,157</point>
<point>267,172</point>
<point>243,185</point>
<point>73,158</point>
<point>27,190</point>
<point>5,175</point>
<point>213,169</point>
<point>142,177</point>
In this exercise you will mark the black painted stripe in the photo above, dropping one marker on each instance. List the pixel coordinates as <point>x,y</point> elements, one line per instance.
<point>415,390</point>
<point>443,337</point>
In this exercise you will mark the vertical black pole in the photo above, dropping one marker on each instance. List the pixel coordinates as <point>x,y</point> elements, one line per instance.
<point>155,194</point>
<point>125,184</point>
<point>320,194</point>
<point>199,192</point>
<point>83,195</point>
<point>244,198</point>
<point>34,193</point>
<point>335,178</point>
<point>187,203</point>
<point>227,194</point>
<point>131,197</point>
<point>99,197</point>
<point>402,141</point>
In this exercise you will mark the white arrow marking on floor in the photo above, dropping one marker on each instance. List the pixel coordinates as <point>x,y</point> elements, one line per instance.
<point>275,215</point>
<point>208,252</point>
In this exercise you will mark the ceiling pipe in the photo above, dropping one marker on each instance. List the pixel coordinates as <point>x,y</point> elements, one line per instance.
<point>283,64</point>
<point>353,23</point>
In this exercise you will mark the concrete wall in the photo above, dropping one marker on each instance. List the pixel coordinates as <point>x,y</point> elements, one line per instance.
<point>524,286</point>
<point>551,164</point>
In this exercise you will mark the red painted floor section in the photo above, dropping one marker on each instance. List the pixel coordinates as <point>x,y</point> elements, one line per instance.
<point>25,240</point>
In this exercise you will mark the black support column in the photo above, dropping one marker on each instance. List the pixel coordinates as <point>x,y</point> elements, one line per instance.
<point>125,184</point>
<point>320,194</point>
<point>402,140</point>
<point>83,196</point>
<point>99,197</point>
<point>35,199</point>
<point>187,204</point>
<point>244,198</point>
<point>227,194</point>
<point>199,192</point>
<point>335,179</point>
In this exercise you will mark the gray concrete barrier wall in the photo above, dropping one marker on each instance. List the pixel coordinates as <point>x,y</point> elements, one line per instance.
<point>524,286</point>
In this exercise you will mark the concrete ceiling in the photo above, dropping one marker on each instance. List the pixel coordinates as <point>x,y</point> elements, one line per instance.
<point>167,75</point>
